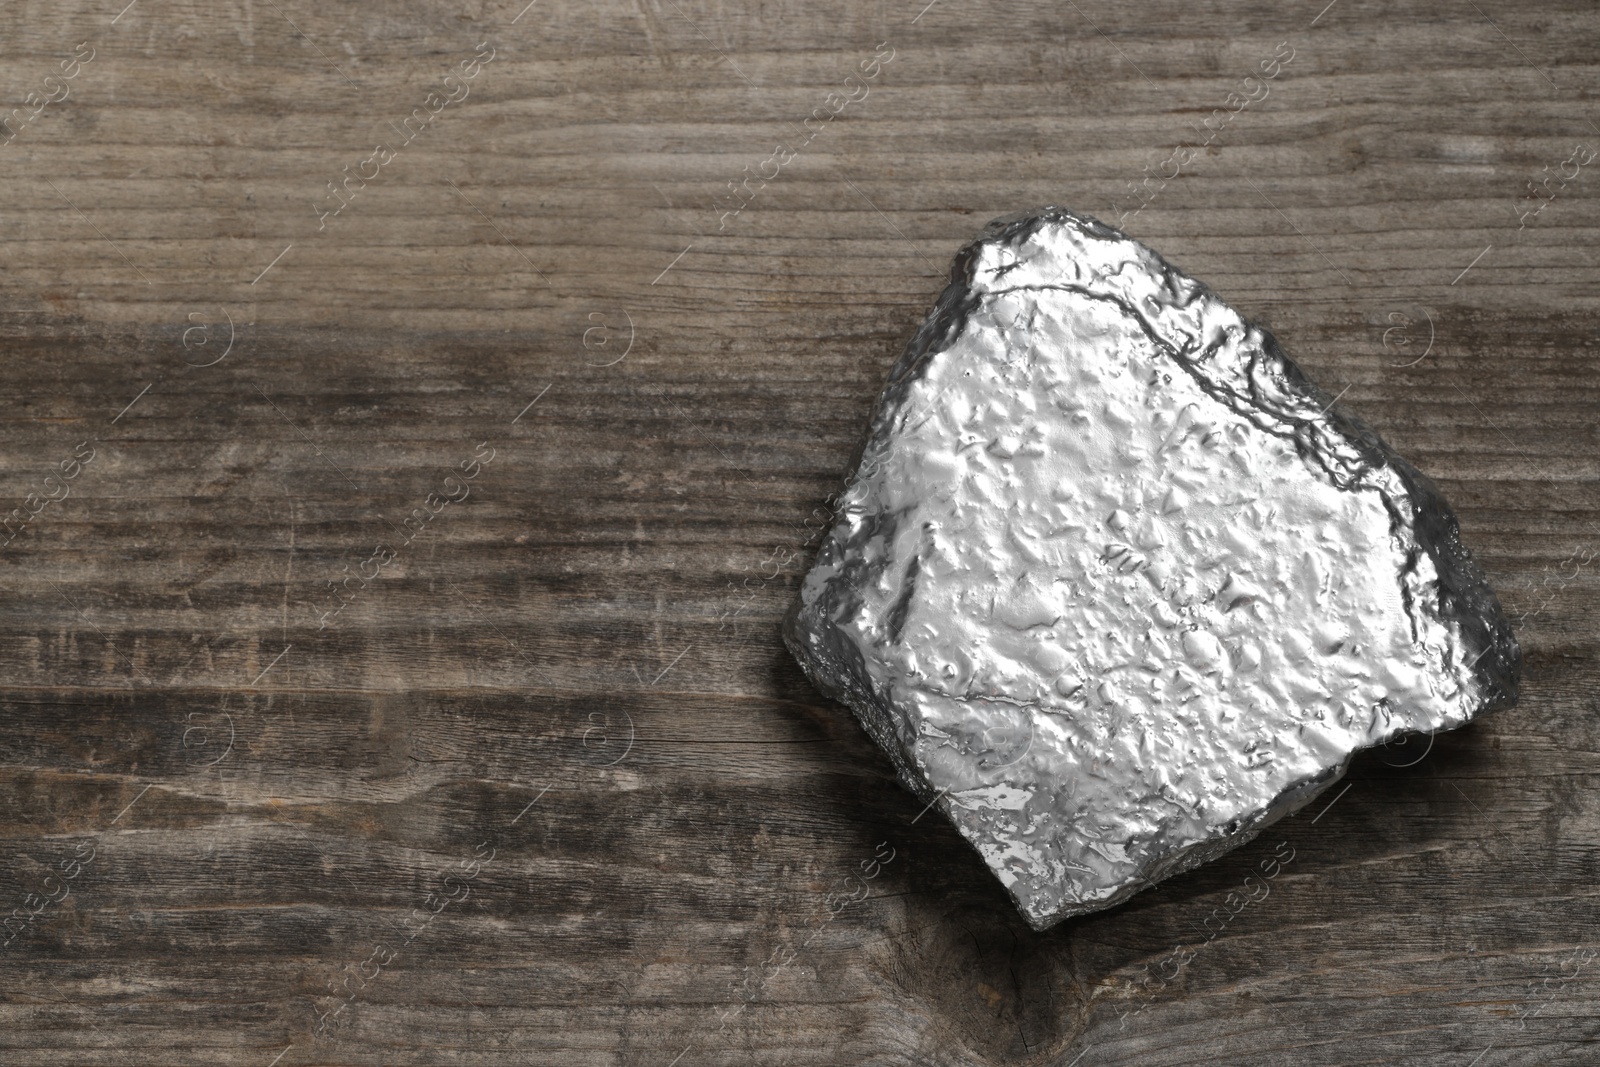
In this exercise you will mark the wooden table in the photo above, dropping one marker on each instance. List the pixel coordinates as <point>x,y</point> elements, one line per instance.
<point>415,424</point>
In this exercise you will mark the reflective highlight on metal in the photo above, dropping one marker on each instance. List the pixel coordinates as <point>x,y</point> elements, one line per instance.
<point>1115,585</point>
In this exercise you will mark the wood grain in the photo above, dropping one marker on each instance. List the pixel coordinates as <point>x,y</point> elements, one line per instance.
<point>554,706</point>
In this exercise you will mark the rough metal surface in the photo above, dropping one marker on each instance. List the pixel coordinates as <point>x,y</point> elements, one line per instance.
<point>1116,586</point>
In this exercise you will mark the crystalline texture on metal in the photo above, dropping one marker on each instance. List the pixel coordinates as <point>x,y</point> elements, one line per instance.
<point>1115,585</point>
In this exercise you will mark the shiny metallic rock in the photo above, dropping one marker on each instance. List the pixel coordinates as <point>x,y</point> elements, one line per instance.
<point>1115,585</point>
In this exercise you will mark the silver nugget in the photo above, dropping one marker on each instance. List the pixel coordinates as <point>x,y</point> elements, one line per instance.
<point>1115,585</point>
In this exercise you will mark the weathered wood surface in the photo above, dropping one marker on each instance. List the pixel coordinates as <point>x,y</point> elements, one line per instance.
<point>572,671</point>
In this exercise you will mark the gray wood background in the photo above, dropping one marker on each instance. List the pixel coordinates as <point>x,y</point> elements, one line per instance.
<point>388,656</point>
